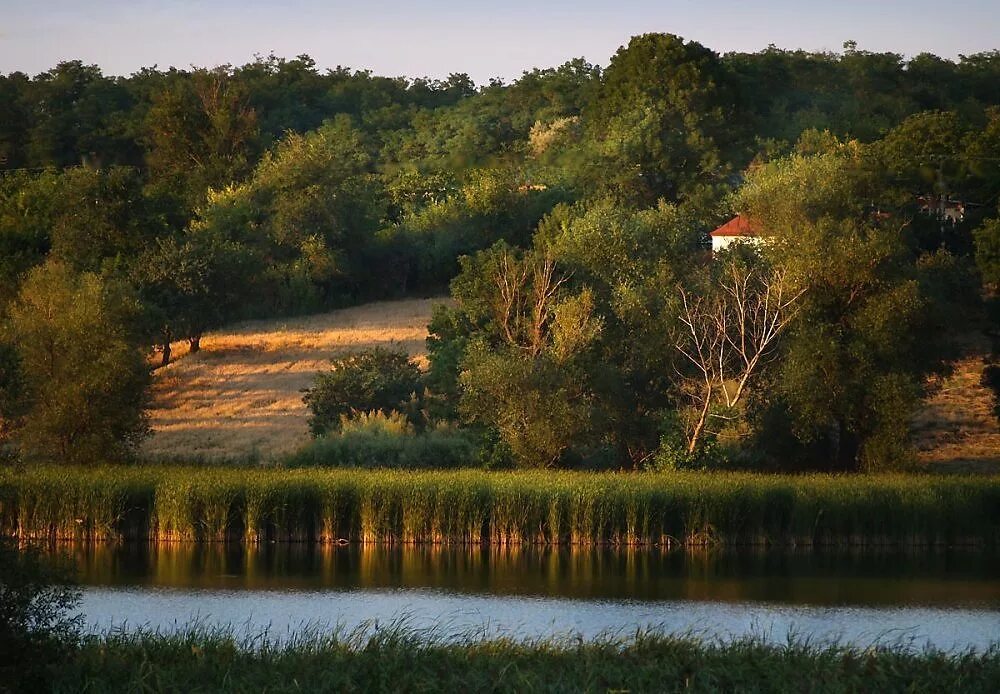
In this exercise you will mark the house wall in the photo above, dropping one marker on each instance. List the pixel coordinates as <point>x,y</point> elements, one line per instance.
<point>721,242</point>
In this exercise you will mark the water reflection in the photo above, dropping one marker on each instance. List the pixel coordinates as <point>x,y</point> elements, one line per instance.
<point>822,578</point>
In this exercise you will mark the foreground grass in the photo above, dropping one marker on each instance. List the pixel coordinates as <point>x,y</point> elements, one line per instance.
<point>396,659</point>
<point>208,504</point>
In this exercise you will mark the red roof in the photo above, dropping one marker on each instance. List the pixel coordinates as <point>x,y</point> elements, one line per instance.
<point>737,226</point>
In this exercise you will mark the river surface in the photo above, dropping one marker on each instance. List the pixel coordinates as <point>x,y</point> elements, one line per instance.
<point>949,599</point>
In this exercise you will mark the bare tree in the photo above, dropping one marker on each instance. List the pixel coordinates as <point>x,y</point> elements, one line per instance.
<point>526,295</point>
<point>728,337</point>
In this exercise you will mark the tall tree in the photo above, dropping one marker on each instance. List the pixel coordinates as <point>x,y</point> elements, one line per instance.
<point>873,322</point>
<point>85,378</point>
<point>201,133</point>
<point>656,119</point>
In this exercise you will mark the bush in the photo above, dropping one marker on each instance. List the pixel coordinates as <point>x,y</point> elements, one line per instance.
<point>35,632</point>
<point>380,441</point>
<point>370,380</point>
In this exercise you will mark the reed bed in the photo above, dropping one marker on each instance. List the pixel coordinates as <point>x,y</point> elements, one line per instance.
<point>395,658</point>
<point>186,503</point>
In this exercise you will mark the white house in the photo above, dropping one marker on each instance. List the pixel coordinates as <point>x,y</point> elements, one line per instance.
<point>737,229</point>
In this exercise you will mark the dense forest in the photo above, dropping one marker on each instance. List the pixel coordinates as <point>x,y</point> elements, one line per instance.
<point>567,213</point>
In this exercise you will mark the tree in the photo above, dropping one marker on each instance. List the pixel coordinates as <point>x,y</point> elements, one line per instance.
<point>307,211</point>
<point>359,382</point>
<point>11,393</point>
<point>987,241</point>
<point>84,376</point>
<point>191,283</point>
<point>536,405</point>
<point>77,117</point>
<point>27,205</point>
<point>521,374</point>
<point>729,338</point>
<point>99,216</point>
<point>656,119</point>
<point>875,319</point>
<point>15,120</point>
<point>201,133</point>
<point>89,219</point>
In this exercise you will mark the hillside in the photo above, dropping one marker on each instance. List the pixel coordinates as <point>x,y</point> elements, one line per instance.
<point>240,396</point>
<point>956,430</point>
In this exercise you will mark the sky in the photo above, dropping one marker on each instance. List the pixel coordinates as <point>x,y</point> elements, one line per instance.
<point>483,39</point>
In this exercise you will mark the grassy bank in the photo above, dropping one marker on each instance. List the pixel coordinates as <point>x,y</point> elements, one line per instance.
<point>211,504</point>
<point>397,660</point>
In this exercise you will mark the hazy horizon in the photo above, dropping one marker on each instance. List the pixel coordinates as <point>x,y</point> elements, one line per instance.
<point>434,39</point>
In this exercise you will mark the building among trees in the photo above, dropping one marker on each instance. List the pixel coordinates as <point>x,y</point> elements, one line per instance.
<point>739,228</point>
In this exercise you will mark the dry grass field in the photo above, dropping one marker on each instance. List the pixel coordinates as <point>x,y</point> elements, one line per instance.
<point>956,430</point>
<point>240,396</point>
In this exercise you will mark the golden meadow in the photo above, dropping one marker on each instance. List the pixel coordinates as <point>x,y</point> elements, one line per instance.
<point>187,503</point>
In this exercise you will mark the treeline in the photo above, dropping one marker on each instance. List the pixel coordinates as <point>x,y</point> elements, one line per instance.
<point>567,209</point>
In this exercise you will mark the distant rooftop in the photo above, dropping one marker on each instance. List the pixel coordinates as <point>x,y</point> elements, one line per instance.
<point>737,226</point>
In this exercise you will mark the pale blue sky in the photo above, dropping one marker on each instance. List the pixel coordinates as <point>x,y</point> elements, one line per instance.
<point>484,39</point>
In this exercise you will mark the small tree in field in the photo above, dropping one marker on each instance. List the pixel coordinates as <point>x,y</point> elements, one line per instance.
<point>189,285</point>
<point>84,377</point>
<point>370,380</point>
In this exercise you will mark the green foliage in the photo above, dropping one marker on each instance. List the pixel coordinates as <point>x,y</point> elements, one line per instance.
<point>536,407</point>
<point>370,380</point>
<point>491,205</point>
<point>84,378</point>
<point>88,219</point>
<point>876,318</point>
<point>656,119</point>
<point>36,633</point>
<point>387,442</point>
<point>191,283</point>
<point>594,352</point>
<point>987,239</point>
<point>305,213</point>
<point>568,210</point>
<point>200,132</point>
<point>12,392</point>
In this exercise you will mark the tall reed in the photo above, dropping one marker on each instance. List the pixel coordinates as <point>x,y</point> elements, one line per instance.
<point>394,658</point>
<point>504,508</point>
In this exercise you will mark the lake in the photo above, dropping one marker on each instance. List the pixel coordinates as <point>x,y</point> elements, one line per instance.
<point>946,598</point>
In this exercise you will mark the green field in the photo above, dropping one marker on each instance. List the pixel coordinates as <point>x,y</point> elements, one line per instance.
<point>395,659</point>
<point>682,508</point>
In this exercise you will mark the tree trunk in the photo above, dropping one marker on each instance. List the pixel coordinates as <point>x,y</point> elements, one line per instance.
<point>166,353</point>
<point>846,449</point>
<point>699,426</point>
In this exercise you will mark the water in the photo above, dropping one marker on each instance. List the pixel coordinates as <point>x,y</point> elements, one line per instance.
<point>948,599</point>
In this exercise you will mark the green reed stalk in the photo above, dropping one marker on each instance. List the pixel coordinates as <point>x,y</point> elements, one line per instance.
<point>505,508</point>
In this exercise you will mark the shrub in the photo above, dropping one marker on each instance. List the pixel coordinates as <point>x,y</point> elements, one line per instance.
<point>35,632</point>
<point>365,381</point>
<point>376,422</point>
<point>380,441</point>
